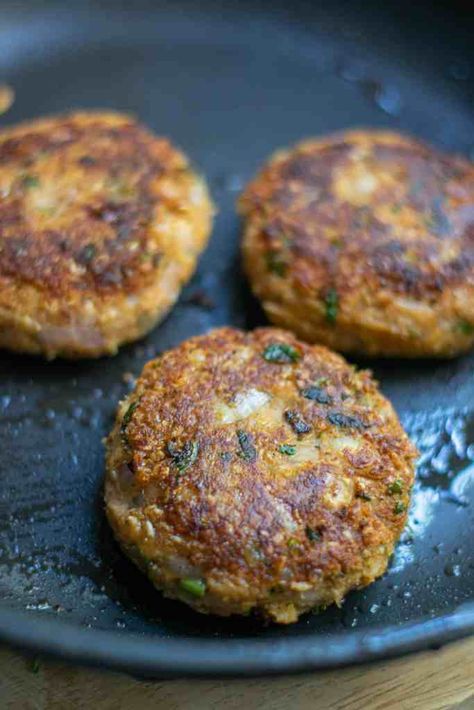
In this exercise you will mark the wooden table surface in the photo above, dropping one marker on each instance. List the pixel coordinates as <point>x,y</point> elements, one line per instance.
<point>433,680</point>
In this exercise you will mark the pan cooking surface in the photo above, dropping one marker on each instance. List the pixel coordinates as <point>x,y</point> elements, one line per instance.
<point>229,83</point>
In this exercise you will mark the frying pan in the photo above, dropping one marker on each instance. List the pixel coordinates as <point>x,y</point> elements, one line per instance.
<point>229,82</point>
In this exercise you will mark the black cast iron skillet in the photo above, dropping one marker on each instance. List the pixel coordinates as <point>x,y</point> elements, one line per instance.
<point>229,82</point>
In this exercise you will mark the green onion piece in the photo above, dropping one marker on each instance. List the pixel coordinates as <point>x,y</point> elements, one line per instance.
<point>30,181</point>
<point>127,418</point>
<point>35,665</point>
<point>331,301</point>
<point>195,587</point>
<point>185,457</point>
<point>281,353</point>
<point>296,421</point>
<point>312,534</point>
<point>395,487</point>
<point>465,327</point>
<point>287,449</point>
<point>89,252</point>
<point>247,449</point>
<point>275,263</point>
<point>399,508</point>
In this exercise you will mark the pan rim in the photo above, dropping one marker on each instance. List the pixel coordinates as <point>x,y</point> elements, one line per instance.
<point>190,657</point>
<point>187,656</point>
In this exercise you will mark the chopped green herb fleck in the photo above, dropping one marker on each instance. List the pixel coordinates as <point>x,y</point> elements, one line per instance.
<point>363,495</point>
<point>465,327</point>
<point>293,542</point>
<point>399,508</point>
<point>87,161</point>
<point>275,263</point>
<point>88,253</point>
<point>248,450</point>
<point>129,413</point>
<point>331,301</point>
<point>126,419</point>
<point>395,487</point>
<point>35,665</point>
<point>312,534</point>
<point>195,587</point>
<point>296,421</point>
<point>287,449</point>
<point>344,420</point>
<point>317,394</point>
<point>185,457</point>
<point>281,353</point>
<point>30,181</point>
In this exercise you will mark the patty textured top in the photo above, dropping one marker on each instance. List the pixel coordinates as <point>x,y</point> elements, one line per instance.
<point>377,231</point>
<point>262,465</point>
<point>93,207</point>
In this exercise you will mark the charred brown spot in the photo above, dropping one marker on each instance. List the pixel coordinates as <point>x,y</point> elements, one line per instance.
<point>108,235</point>
<point>87,161</point>
<point>397,274</point>
<point>394,242</point>
<point>114,213</point>
<point>26,149</point>
<point>315,168</point>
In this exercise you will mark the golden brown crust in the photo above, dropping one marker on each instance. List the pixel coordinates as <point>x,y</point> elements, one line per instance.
<point>198,485</point>
<point>365,241</point>
<point>100,224</point>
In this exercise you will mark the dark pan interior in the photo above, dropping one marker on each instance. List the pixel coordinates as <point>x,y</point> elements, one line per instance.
<point>229,82</point>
